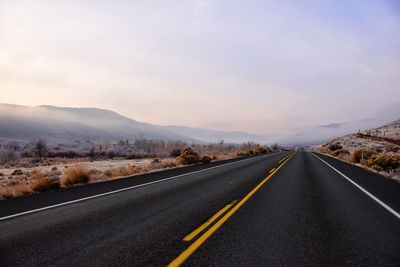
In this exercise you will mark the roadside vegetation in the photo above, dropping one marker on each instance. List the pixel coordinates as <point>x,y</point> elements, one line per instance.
<point>41,169</point>
<point>378,156</point>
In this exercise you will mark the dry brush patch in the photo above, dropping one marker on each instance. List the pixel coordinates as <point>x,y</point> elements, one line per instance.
<point>38,179</point>
<point>171,163</point>
<point>16,190</point>
<point>128,171</point>
<point>78,174</point>
<point>373,159</point>
<point>362,154</point>
<point>383,162</point>
<point>41,182</point>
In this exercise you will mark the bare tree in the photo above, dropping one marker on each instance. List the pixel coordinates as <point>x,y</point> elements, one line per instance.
<point>40,148</point>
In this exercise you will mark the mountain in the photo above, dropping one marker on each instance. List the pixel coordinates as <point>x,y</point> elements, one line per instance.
<point>62,123</point>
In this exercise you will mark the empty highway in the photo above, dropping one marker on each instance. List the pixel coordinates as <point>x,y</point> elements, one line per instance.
<point>287,208</point>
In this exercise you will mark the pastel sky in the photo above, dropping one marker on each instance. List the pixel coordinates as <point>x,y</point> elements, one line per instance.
<point>266,67</point>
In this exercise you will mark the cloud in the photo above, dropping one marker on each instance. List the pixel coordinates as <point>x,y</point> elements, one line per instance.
<point>270,67</point>
<point>332,125</point>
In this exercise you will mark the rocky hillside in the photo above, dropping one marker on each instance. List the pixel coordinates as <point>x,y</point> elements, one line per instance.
<point>377,149</point>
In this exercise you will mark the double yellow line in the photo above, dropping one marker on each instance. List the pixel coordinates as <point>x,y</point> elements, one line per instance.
<point>196,244</point>
<point>193,234</point>
<point>285,158</point>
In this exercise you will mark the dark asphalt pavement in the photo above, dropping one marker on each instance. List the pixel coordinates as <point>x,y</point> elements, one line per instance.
<point>304,214</point>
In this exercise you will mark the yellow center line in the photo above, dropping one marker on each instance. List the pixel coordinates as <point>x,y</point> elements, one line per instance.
<point>273,169</point>
<point>284,158</point>
<point>193,234</point>
<point>196,244</point>
<point>288,156</point>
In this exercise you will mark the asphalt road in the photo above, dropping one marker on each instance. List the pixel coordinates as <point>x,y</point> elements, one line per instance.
<point>280,209</point>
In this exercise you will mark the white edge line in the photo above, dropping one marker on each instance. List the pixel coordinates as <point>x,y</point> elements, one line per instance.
<point>363,190</point>
<point>119,190</point>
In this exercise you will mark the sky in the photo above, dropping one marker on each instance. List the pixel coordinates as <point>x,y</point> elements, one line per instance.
<point>265,67</point>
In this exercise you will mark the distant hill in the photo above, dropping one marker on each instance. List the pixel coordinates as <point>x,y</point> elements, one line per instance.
<point>62,123</point>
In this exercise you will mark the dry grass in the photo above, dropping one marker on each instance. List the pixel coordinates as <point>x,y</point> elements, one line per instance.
<point>39,179</point>
<point>169,163</point>
<point>130,170</point>
<point>17,190</point>
<point>123,171</point>
<point>78,174</point>
<point>41,182</point>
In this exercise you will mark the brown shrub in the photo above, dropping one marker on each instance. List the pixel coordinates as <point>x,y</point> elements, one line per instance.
<point>155,161</point>
<point>108,173</point>
<point>123,171</point>
<point>17,172</point>
<point>187,151</point>
<point>243,154</point>
<point>6,192</point>
<point>362,153</point>
<point>384,162</point>
<point>175,153</point>
<point>168,164</point>
<point>15,190</point>
<point>189,159</point>
<point>260,150</point>
<point>41,182</point>
<point>340,152</point>
<point>334,147</point>
<point>214,156</point>
<point>77,174</point>
<point>206,159</point>
<point>126,171</point>
<point>188,156</point>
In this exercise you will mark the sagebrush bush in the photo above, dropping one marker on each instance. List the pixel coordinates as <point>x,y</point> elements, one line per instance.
<point>78,174</point>
<point>17,172</point>
<point>15,190</point>
<point>334,147</point>
<point>187,151</point>
<point>340,152</point>
<point>384,162</point>
<point>243,154</point>
<point>362,153</point>
<point>155,161</point>
<point>175,153</point>
<point>260,150</point>
<point>108,173</point>
<point>168,164</point>
<point>206,159</point>
<point>189,159</point>
<point>188,156</point>
<point>40,182</point>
